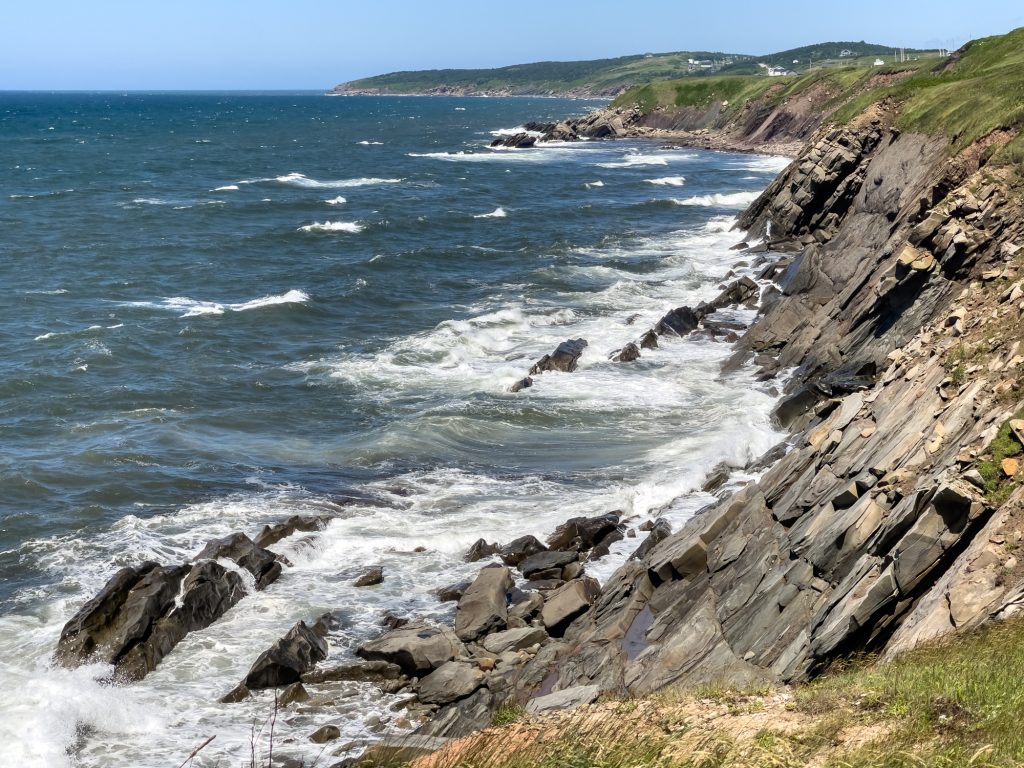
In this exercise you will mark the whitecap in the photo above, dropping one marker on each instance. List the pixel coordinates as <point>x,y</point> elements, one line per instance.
<point>593,184</point>
<point>515,132</point>
<point>332,226</point>
<point>301,180</point>
<point>366,143</point>
<point>194,307</point>
<point>633,161</point>
<point>226,188</point>
<point>728,200</point>
<point>497,213</point>
<point>668,181</point>
<point>339,200</point>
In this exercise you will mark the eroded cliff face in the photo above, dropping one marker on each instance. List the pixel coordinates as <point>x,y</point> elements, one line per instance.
<point>900,314</point>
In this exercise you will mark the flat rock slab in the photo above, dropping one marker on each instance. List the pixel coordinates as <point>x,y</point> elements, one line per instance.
<point>417,648</point>
<point>569,698</point>
<point>483,607</point>
<point>568,603</point>
<point>450,682</point>
<point>514,639</point>
<point>543,561</point>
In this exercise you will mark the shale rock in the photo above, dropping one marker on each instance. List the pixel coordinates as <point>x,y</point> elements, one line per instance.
<point>271,534</point>
<point>545,561</point>
<point>627,354</point>
<point>451,681</point>
<point>483,607</point>
<point>481,549</point>
<point>568,603</point>
<point>568,698</point>
<point>517,550</point>
<point>285,662</point>
<point>514,639</point>
<point>417,648</point>
<point>240,549</point>
<point>582,533</point>
<point>370,577</point>
<point>564,358</point>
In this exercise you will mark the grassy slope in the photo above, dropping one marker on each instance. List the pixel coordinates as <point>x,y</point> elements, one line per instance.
<point>601,75</point>
<point>951,704</point>
<point>966,99</point>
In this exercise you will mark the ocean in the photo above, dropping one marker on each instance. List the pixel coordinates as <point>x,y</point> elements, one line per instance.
<point>221,310</point>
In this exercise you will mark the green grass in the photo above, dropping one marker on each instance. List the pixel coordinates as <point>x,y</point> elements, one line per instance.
<point>1004,445</point>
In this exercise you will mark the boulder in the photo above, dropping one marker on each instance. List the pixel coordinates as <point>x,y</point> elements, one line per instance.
<point>627,354</point>
<point>582,533</point>
<point>450,682</point>
<point>481,549</point>
<point>483,607</point>
<point>543,561</point>
<point>358,672</point>
<point>514,639</point>
<point>522,384</point>
<point>241,550</point>
<point>568,603</point>
<point>271,534</point>
<point>649,340</point>
<point>325,733</point>
<point>370,577</point>
<point>679,321</point>
<point>517,550</point>
<point>292,694</point>
<point>564,358</point>
<point>453,592</point>
<point>285,662</point>
<point>603,546</point>
<point>517,141</point>
<point>417,648</point>
<point>143,612</point>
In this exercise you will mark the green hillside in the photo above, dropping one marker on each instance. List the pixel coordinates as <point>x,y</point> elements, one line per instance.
<point>610,77</point>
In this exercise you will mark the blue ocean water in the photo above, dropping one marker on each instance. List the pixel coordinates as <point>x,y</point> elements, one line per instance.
<point>219,310</point>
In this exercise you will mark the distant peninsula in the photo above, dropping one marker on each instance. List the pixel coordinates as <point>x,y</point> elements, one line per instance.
<point>609,78</point>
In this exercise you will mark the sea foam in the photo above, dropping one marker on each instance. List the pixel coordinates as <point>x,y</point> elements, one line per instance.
<point>728,200</point>
<point>668,181</point>
<point>497,213</point>
<point>332,226</point>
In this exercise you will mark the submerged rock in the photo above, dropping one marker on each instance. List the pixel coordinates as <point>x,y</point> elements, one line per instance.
<point>564,358</point>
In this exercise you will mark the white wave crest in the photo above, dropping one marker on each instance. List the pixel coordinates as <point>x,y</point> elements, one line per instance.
<point>593,184</point>
<point>515,132</point>
<point>729,200</point>
<point>301,180</point>
<point>497,213</point>
<point>339,200</point>
<point>366,143</point>
<point>668,181</point>
<point>333,226</point>
<point>633,161</point>
<point>194,307</point>
<point>226,188</point>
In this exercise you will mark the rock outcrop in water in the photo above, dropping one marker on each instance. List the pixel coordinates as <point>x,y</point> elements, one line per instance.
<point>144,611</point>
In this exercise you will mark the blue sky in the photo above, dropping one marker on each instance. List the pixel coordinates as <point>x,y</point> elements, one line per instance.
<point>214,44</point>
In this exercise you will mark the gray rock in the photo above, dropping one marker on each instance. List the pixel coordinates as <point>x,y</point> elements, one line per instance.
<point>543,561</point>
<point>370,577</point>
<point>568,603</point>
<point>627,354</point>
<point>565,358</point>
<point>324,734</point>
<point>582,533</point>
<point>660,531</point>
<point>483,607</point>
<point>451,681</point>
<point>240,549</point>
<point>519,549</point>
<point>285,662</point>
<point>417,648</point>
<point>514,639</point>
<point>568,698</point>
<point>481,549</point>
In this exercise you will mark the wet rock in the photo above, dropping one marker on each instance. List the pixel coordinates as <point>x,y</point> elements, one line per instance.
<point>481,549</point>
<point>240,549</point>
<point>679,321</point>
<point>517,550</point>
<point>453,592</point>
<point>360,672</point>
<point>235,695</point>
<point>660,531</point>
<point>417,648</point>
<point>568,603</point>
<point>565,358</point>
<point>742,291</point>
<point>516,141</point>
<point>514,639</point>
<point>285,662</point>
<point>370,577</point>
<point>324,734</point>
<point>603,546</point>
<point>649,340</point>
<point>292,694</point>
<point>522,384</point>
<point>582,533</point>
<point>544,561</point>
<point>271,534</point>
<point>483,607</point>
<point>451,681</point>
<point>627,354</point>
<point>142,613</point>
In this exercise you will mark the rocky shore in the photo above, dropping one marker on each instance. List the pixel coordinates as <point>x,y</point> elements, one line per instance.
<point>889,281</point>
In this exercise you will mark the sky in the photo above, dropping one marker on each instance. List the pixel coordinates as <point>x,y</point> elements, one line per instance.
<point>315,44</point>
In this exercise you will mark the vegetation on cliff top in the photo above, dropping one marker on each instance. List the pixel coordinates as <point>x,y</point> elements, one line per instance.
<point>950,703</point>
<point>608,76</point>
<point>978,90</point>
